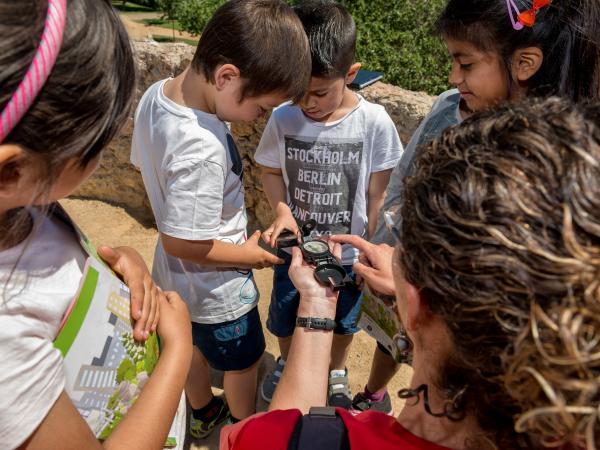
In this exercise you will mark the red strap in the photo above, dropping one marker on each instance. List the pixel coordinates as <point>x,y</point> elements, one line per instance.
<point>269,431</point>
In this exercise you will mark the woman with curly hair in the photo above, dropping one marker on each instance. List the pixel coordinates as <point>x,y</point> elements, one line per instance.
<point>497,281</point>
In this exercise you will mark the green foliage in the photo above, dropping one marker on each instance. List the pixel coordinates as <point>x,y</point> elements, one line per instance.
<point>394,37</point>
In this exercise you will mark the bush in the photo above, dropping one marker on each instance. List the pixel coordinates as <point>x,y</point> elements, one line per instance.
<point>394,37</point>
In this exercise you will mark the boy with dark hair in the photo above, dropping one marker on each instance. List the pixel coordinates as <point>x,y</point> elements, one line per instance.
<point>252,56</point>
<point>327,158</point>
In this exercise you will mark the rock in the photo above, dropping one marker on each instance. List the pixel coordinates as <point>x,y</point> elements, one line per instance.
<point>117,181</point>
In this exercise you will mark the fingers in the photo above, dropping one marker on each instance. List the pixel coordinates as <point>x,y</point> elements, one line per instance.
<point>153,316</point>
<point>353,240</point>
<point>297,259</point>
<point>337,251</point>
<point>273,259</point>
<point>267,234</point>
<point>255,236</point>
<point>140,325</point>
<point>110,256</point>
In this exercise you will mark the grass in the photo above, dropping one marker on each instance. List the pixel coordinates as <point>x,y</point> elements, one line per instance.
<point>163,23</point>
<point>161,38</point>
<point>129,7</point>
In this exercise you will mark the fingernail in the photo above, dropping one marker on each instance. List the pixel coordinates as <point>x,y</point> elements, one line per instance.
<point>146,334</point>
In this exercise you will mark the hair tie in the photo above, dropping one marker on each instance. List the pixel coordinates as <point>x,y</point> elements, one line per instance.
<point>526,18</point>
<point>39,70</point>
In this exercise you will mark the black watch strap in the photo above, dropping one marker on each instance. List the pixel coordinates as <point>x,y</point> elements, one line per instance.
<point>315,323</point>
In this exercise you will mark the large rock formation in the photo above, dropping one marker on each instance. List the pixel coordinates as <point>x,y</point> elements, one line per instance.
<point>119,182</point>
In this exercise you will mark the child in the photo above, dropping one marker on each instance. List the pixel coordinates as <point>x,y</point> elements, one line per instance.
<point>54,124</point>
<point>327,158</point>
<point>495,58</point>
<point>252,56</point>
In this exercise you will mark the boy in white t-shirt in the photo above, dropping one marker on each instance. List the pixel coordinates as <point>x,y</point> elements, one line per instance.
<point>327,158</point>
<point>244,66</point>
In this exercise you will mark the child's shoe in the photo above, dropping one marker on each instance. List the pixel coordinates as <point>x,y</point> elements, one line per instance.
<point>269,383</point>
<point>363,402</point>
<point>202,425</point>
<point>338,393</point>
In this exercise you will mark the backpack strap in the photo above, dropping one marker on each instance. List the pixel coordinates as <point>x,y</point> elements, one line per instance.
<point>320,429</point>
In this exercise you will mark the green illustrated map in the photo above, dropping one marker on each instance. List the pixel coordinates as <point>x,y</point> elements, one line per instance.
<point>106,368</point>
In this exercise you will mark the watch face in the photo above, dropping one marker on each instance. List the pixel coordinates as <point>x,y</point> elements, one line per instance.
<point>316,247</point>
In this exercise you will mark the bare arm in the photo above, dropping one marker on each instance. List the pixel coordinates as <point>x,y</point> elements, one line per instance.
<point>304,380</point>
<point>377,186</point>
<point>147,423</point>
<point>274,187</point>
<point>217,253</point>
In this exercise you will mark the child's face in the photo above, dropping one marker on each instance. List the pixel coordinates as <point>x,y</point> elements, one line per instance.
<point>481,77</point>
<point>323,97</point>
<point>230,109</point>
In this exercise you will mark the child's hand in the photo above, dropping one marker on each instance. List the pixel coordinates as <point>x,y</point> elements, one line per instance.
<point>257,257</point>
<point>374,263</point>
<point>174,327</point>
<point>144,294</point>
<point>284,221</point>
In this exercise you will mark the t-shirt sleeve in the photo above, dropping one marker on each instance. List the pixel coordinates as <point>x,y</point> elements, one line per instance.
<point>31,375</point>
<point>193,199</point>
<point>385,143</point>
<point>267,153</point>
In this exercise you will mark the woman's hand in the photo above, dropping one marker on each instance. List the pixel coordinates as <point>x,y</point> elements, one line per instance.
<point>374,263</point>
<point>316,300</point>
<point>145,309</point>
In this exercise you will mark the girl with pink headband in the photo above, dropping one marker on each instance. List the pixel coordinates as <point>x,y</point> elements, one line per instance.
<point>67,82</point>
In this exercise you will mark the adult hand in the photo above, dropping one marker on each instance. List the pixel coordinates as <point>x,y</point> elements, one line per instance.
<point>145,310</point>
<point>374,263</point>
<point>257,257</point>
<point>316,300</point>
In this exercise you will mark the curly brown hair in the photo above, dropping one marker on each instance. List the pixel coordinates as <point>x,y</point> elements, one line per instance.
<point>501,234</point>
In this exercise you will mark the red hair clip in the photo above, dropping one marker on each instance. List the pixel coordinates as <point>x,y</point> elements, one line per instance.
<point>527,18</point>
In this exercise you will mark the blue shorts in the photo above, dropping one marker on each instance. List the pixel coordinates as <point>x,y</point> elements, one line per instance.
<point>233,345</point>
<point>285,300</point>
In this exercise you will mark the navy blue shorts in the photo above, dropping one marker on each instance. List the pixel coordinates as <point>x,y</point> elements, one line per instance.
<point>285,299</point>
<point>233,345</point>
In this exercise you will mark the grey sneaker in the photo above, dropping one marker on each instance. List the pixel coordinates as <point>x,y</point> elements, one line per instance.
<point>338,393</point>
<point>270,381</point>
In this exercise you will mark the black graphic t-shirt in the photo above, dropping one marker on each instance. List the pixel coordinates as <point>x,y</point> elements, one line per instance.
<point>327,166</point>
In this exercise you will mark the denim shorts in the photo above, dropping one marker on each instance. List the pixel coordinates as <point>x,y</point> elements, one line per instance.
<point>285,299</point>
<point>233,345</point>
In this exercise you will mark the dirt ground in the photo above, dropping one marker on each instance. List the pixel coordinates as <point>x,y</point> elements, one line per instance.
<point>138,30</point>
<point>106,224</point>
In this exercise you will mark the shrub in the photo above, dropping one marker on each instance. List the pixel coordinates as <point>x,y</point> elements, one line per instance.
<point>394,37</point>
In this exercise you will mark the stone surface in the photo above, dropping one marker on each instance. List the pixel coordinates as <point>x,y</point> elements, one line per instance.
<point>118,182</point>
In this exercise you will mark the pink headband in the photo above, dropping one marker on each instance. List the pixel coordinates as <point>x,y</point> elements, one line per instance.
<point>39,70</point>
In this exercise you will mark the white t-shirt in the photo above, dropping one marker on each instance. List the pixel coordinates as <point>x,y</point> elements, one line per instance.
<point>43,274</point>
<point>192,172</point>
<point>327,166</point>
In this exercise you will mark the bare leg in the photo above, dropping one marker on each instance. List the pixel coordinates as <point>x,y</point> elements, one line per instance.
<point>383,369</point>
<point>197,385</point>
<point>284,346</point>
<point>240,390</point>
<point>340,350</point>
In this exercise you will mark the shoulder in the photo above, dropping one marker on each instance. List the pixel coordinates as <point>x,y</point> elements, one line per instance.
<point>374,113</point>
<point>449,98</point>
<point>286,112</point>
<point>278,425</point>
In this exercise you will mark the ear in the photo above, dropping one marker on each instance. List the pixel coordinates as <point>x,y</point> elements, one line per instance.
<point>11,169</point>
<point>417,310</point>
<point>226,74</point>
<point>525,63</point>
<point>352,72</point>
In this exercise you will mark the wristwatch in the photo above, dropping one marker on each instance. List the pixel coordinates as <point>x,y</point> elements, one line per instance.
<point>315,323</point>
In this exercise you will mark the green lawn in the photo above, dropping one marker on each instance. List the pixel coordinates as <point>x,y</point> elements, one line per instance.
<point>163,23</point>
<point>129,7</point>
<point>161,38</point>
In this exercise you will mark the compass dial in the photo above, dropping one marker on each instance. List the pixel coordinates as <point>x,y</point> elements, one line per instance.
<point>316,247</point>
